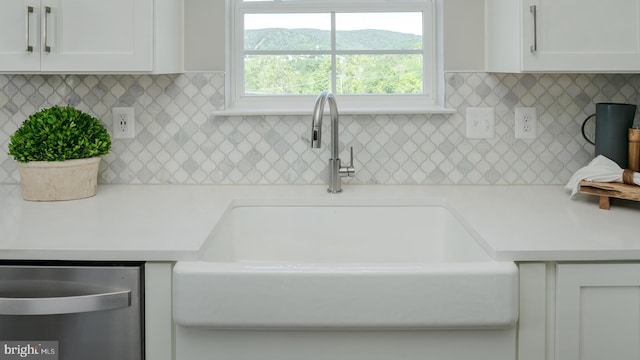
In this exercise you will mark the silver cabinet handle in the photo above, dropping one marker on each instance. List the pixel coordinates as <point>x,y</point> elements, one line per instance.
<point>27,32</point>
<point>533,10</point>
<point>47,11</point>
<point>83,299</point>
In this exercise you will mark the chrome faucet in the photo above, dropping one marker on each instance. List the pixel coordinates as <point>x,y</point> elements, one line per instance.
<point>336,171</point>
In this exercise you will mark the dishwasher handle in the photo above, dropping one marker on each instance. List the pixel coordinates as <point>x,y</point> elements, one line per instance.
<point>110,300</point>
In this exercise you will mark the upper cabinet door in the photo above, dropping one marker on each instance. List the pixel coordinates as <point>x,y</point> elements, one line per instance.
<point>563,35</point>
<point>97,35</point>
<point>581,35</point>
<point>20,35</point>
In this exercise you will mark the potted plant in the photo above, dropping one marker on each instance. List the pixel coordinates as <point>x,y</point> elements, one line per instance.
<point>58,152</point>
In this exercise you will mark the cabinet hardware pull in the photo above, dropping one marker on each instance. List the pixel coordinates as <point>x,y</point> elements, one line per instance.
<point>47,11</point>
<point>72,298</point>
<point>29,12</point>
<point>533,10</point>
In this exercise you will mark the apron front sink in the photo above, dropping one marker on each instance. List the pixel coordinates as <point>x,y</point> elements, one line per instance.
<point>344,264</point>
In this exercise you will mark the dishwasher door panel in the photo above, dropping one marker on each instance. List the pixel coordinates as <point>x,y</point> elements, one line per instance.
<point>93,312</point>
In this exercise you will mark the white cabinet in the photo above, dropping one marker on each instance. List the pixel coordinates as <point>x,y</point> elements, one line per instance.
<point>562,35</point>
<point>583,311</point>
<point>598,311</point>
<point>91,36</point>
<point>159,328</point>
<point>19,23</point>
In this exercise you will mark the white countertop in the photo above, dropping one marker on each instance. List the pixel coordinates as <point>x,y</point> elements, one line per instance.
<point>171,222</point>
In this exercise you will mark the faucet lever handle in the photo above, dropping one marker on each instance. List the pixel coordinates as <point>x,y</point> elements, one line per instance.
<point>351,156</point>
<point>348,170</point>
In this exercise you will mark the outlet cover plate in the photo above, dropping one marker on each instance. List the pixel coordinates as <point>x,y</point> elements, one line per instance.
<point>129,130</point>
<point>481,122</point>
<point>526,124</point>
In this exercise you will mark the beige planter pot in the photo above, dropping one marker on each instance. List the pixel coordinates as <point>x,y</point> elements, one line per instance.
<point>59,180</point>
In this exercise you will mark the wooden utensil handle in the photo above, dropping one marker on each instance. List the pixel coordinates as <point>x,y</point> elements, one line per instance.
<point>634,149</point>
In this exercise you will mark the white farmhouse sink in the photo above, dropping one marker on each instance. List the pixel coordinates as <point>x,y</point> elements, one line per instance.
<point>344,264</point>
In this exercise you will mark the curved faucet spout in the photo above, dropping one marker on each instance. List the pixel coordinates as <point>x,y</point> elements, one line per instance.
<point>335,170</point>
<point>318,112</point>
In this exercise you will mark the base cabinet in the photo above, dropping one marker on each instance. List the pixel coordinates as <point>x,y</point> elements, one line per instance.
<point>159,328</point>
<point>598,311</point>
<point>197,343</point>
<point>579,311</point>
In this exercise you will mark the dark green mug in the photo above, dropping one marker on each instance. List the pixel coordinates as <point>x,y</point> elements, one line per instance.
<point>612,131</point>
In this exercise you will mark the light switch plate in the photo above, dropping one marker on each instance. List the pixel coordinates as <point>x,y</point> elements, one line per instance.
<point>481,122</point>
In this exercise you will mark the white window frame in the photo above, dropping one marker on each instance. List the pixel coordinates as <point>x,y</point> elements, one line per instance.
<point>431,101</point>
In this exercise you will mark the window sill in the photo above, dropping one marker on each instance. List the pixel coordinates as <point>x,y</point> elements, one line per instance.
<point>432,110</point>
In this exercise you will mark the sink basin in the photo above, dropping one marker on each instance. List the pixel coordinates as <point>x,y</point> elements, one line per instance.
<point>344,264</point>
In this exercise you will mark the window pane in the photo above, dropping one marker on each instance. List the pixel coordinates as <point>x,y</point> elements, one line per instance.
<point>379,74</point>
<point>287,74</point>
<point>379,31</point>
<point>287,31</point>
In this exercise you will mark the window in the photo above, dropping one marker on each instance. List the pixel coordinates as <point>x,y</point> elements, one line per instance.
<point>285,52</point>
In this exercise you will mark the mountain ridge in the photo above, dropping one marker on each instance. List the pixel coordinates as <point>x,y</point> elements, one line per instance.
<point>314,39</point>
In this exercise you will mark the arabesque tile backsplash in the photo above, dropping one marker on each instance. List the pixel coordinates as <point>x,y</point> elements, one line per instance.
<point>180,141</point>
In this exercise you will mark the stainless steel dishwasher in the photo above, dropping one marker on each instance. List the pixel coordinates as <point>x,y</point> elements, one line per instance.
<point>71,310</point>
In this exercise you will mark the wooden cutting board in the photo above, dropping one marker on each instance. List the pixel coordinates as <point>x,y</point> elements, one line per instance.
<point>606,191</point>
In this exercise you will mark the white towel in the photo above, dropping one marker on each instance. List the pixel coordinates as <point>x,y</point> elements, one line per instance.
<point>600,169</point>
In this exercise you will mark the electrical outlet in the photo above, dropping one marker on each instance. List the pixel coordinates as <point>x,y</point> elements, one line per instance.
<point>526,123</point>
<point>124,123</point>
<point>481,123</point>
